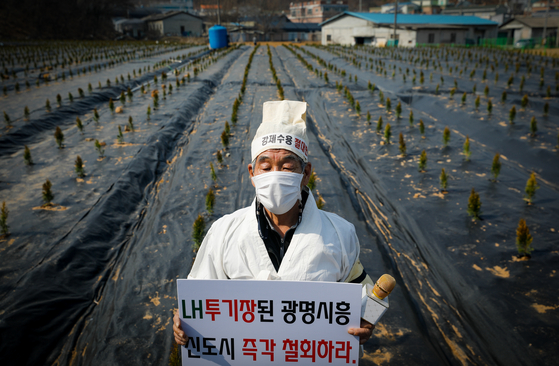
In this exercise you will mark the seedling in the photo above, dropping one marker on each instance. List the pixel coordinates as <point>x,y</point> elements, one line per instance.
<point>312,181</point>
<point>524,101</point>
<point>99,148</point>
<point>387,133</point>
<point>446,136</point>
<point>58,100</point>
<point>523,239</point>
<point>149,112</point>
<point>421,127</point>
<point>95,115</point>
<point>212,170</point>
<point>422,161</point>
<point>120,136</point>
<point>464,98</point>
<point>411,118</point>
<point>379,124</point>
<point>47,106</point>
<point>224,139</point>
<point>4,220</point>
<point>388,105</point>
<point>368,117</point>
<point>533,127</point>
<point>198,232</point>
<point>79,124</point>
<point>122,98</point>
<point>546,109</point>
<point>59,137</point>
<point>489,106</point>
<point>210,200</point>
<point>219,157</point>
<point>443,180</point>
<point>79,167</point>
<point>358,107</point>
<point>467,151</point>
<point>48,196</point>
<point>398,109</point>
<point>496,167</point>
<point>504,97</point>
<point>474,205</point>
<point>27,156</point>
<point>512,114</point>
<point>111,105</point>
<point>486,91</point>
<point>452,92</point>
<point>402,145</point>
<point>531,186</point>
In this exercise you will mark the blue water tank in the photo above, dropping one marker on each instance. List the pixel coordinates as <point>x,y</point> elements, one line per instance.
<point>218,37</point>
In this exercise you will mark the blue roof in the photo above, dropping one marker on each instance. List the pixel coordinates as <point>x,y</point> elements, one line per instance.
<point>417,19</point>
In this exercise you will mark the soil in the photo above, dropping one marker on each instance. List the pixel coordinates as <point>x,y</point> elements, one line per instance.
<point>95,283</point>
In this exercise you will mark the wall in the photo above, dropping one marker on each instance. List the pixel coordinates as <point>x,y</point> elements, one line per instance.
<point>172,25</point>
<point>442,35</point>
<point>344,29</point>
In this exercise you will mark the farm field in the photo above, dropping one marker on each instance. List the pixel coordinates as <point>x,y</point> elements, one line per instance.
<point>90,278</point>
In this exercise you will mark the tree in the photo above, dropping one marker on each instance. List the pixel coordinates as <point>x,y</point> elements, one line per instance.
<point>4,220</point>
<point>387,133</point>
<point>59,137</point>
<point>198,232</point>
<point>446,136</point>
<point>496,167</point>
<point>443,180</point>
<point>47,193</point>
<point>422,161</point>
<point>531,186</point>
<point>210,200</point>
<point>474,205</point>
<point>27,156</point>
<point>523,239</point>
<point>402,145</point>
<point>79,167</point>
<point>467,151</point>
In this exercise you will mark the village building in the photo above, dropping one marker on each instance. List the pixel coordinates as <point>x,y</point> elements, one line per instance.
<point>497,13</point>
<point>316,11</point>
<point>530,27</point>
<point>403,8</point>
<point>174,23</point>
<point>377,29</point>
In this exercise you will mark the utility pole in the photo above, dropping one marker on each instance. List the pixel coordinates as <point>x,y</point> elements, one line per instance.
<point>218,18</point>
<point>360,6</point>
<point>395,21</point>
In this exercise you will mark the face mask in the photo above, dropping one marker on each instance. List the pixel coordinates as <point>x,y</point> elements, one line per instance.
<point>278,191</point>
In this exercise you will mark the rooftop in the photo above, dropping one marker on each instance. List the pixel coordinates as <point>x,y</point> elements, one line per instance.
<point>415,19</point>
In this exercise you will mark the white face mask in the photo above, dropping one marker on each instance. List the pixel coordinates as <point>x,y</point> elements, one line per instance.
<point>278,191</point>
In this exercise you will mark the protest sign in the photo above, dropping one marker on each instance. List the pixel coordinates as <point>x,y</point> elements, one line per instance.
<point>243,322</point>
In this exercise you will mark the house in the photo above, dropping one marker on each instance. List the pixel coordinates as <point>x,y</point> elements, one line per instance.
<point>497,13</point>
<point>376,29</point>
<point>403,8</point>
<point>316,11</point>
<point>174,23</point>
<point>132,27</point>
<point>530,27</point>
<point>280,29</point>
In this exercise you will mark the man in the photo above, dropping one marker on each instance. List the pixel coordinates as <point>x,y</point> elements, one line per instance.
<point>282,235</point>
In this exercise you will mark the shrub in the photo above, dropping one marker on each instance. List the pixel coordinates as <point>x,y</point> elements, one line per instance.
<point>212,170</point>
<point>474,205</point>
<point>512,114</point>
<point>210,200</point>
<point>379,124</point>
<point>531,186</point>
<point>443,180</point>
<point>446,136</point>
<point>387,133</point>
<point>402,145</point>
<point>523,239</point>
<point>533,127</point>
<point>48,196</point>
<point>421,127</point>
<point>422,161</point>
<point>79,124</point>
<point>59,137</point>
<point>496,167</point>
<point>198,232</point>
<point>467,151</point>
<point>79,167</point>
<point>99,148</point>
<point>4,220</point>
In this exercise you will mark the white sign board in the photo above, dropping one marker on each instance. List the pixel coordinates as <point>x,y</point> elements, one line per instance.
<point>244,322</point>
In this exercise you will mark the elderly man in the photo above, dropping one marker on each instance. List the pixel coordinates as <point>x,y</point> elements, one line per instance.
<point>282,235</point>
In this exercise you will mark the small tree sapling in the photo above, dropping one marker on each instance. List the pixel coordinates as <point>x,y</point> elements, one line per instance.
<point>368,117</point>
<point>388,105</point>
<point>48,196</point>
<point>496,167</point>
<point>312,181</point>
<point>99,148</point>
<point>467,151</point>
<point>443,180</point>
<point>219,157</point>
<point>130,124</point>
<point>422,161</point>
<point>379,124</point>
<point>210,200</point>
<point>524,101</point>
<point>4,220</point>
<point>198,232</point>
<point>474,205</point>
<point>149,113</point>
<point>503,97</point>
<point>531,187</point>
<point>546,109</point>
<point>464,98</point>
<point>421,127</point>
<point>523,240</point>
<point>512,114</point>
<point>212,171</point>
<point>387,133</point>
<point>489,106</point>
<point>402,145</point>
<point>224,139</point>
<point>533,127</point>
<point>47,105</point>
<point>95,115</point>
<point>120,136</point>
<point>59,137</point>
<point>79,167</point>
<point>27,156</point>
<point>476,102</point>
<point>111,105</point>
<point>398,109</point>
<point>446,136</point>
<point>58,100</point>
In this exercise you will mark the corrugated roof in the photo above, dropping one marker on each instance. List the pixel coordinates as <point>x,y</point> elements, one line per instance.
<point>416,19</point>
<point>155,17</point>
<point>536,22</point>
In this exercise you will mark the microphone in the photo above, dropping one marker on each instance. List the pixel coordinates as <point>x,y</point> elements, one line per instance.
<point>373,303</point>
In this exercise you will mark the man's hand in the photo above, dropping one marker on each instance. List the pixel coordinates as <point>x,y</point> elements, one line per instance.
<point>180,337</point>
<point>364,333</point>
